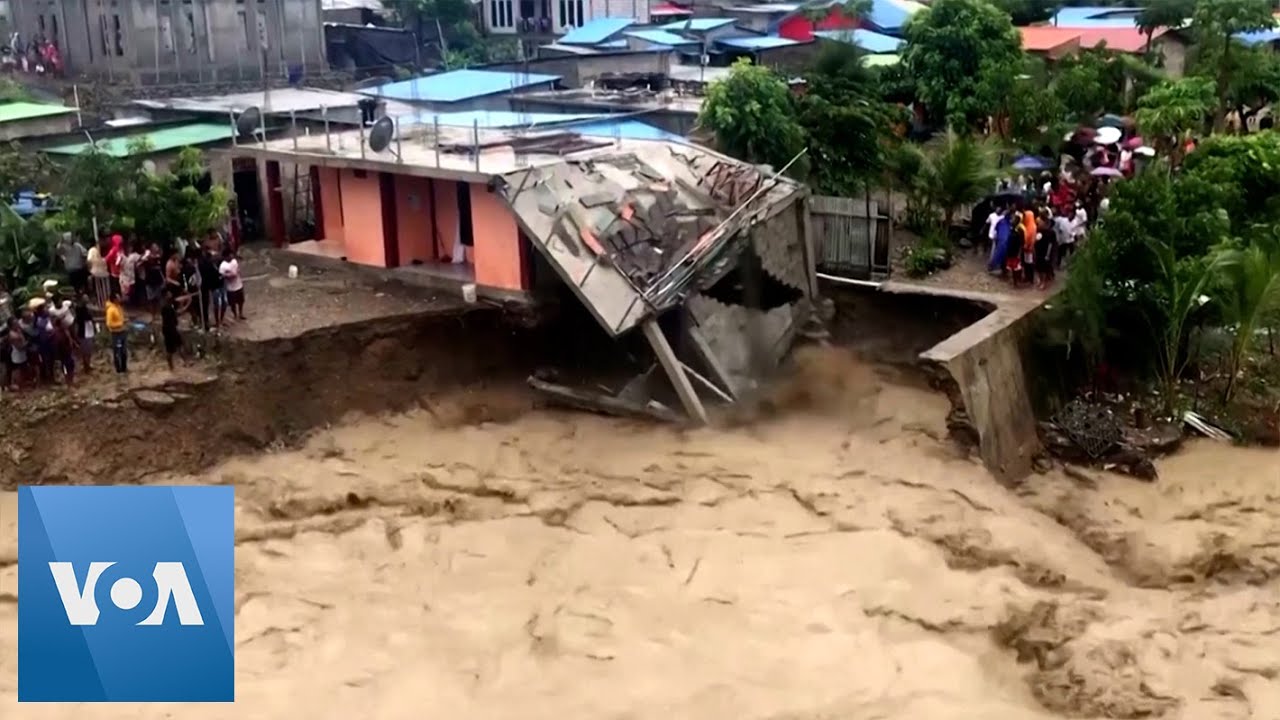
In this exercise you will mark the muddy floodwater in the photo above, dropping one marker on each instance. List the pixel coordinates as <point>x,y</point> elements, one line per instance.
<point>835,559</point>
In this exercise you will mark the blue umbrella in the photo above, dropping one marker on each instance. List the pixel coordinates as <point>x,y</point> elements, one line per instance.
<point>1031,162</point>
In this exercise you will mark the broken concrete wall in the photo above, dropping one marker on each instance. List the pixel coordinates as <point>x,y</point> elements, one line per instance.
<point>779,241</point>
<point>985,360</point>
<point>738,335</point>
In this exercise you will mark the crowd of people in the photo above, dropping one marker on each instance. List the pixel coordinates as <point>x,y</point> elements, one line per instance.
<point>1035,224</point>
<point>46,341</point>
<point>38,55</point>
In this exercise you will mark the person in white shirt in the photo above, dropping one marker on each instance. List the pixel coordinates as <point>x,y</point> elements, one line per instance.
<point>1081,224</point>
<point>1064,226</point>
<point>234,284</point>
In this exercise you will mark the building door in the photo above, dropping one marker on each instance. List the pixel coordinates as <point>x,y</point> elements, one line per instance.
<point>244,183</point>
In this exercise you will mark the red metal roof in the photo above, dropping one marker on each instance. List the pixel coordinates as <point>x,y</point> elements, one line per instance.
<point>1125,40</point>
<point>1044,38</point>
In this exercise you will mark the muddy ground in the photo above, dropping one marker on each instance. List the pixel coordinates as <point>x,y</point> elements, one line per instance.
<point>469,555</point>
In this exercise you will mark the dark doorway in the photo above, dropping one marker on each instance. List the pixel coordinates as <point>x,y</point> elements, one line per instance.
<point>465,230</point>
<point>244,182</point>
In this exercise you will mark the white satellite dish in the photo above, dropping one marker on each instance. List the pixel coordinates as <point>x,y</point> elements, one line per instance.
<point>149,166</point>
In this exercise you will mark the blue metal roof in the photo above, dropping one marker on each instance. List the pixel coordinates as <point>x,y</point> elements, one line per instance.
<point>597,31</point>
<point>625,129</point>
<point>496,119</point>
<point>1259,37</point>
<point>459,85</point>
<point>697,24</point>
<point>1096,17</point>
<point>661,37</point>
<point>872,42</point>
<point>764,42</point>
<point>892,15</point>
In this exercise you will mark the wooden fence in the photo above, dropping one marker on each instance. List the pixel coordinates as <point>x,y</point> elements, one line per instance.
<point>851,237</point>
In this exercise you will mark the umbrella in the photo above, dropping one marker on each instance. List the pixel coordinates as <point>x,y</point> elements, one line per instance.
<point>1133,142</point>
<point>1106,172</point>
<point>1031,162</point>
<point>1107,136</point>
<point>1111,120</point>
<point>1146,151</point>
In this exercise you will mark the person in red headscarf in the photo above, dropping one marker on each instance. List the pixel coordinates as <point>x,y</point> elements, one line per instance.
<point>114,258</point>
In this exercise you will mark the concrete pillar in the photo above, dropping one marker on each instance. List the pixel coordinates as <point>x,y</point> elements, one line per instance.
<point>688,396</point>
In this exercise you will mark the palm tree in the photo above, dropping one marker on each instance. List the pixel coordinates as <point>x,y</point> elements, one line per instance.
<point>1251,297</point>
<point>957,171</point>
<point>1181,283</point>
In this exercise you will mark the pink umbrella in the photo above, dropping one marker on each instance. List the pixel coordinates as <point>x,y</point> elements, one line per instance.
<point>1106,172</point>
<point>1133,142</point>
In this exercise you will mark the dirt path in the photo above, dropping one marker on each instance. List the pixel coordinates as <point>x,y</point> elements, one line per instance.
<point>838,561</point>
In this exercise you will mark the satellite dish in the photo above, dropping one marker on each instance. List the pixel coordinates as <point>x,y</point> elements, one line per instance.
<point>381,134</point>
<point>149,166</point>
<point>249,121</point>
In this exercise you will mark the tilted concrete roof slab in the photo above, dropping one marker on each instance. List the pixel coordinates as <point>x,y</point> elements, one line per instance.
<point>632,230</point>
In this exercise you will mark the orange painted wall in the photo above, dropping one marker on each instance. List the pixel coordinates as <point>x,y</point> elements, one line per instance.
<point>497,241</point>
<point>362,207</point>
<point>413,219</point>
<point>331,204</point>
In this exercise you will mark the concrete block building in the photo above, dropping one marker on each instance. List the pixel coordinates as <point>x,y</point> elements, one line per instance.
<point>178,41</point>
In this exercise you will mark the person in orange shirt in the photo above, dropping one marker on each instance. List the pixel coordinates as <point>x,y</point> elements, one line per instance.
<point>1029,233</point>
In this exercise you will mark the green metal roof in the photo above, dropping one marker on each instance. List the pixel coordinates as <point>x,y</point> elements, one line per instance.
<point>160,140</point>
<point>12,111</point>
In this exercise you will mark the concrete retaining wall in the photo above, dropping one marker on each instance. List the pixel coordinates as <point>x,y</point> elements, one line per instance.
<point>985,361</point>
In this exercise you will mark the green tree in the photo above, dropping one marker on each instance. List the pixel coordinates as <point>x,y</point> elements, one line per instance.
<point>95,188</point>
<point>1215,24</point>
<point>1172,109</point>
<point>1027,12</point>
<point>1089,84</point>
<point>964,56</point>
<point>25,170</point>
<point>753,117</point>
<point>1158,14</point>
<point>26,250</point>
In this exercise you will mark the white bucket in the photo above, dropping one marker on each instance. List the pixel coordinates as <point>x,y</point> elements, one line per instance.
<point>293,272</point>
<point>469,292</point>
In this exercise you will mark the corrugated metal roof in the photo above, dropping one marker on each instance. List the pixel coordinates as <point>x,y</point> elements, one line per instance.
<point>872,42</point>
<point>892,15</point>
<point>661,37</point>
<point>766,8</point>
<point>168,138</point>
<point>497,119</point>
<point>1260,37</point>
<point>697,24</point>
<point>14,111</point>
<point>1044,38</point>
<point>459,85</point>
<point>1096,17</point>
<point>1119,39</point>
<point>571,49</point>
<point>283,100</point>
<point>766,42</point>
<point>625,129</point>
<point>596,31</point>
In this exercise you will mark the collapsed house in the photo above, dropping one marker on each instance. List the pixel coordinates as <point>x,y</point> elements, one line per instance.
<point>706,256</point>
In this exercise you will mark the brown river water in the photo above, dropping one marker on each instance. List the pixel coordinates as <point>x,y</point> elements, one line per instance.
<point>836,559</point>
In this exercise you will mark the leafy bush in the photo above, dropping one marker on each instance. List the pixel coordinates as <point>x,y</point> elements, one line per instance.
<point>928,255</point>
